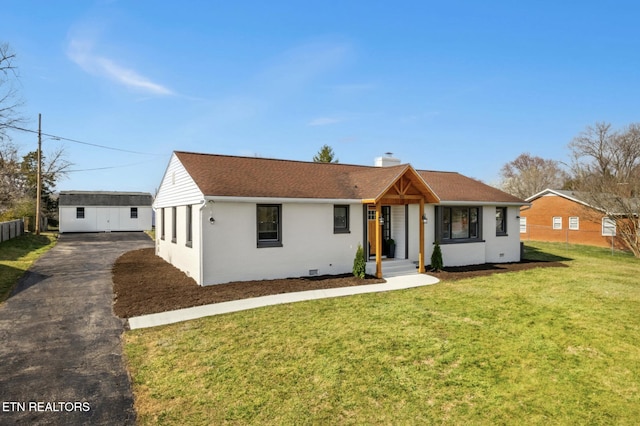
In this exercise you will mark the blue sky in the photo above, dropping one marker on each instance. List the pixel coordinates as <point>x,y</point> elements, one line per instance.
<point>460,85</point>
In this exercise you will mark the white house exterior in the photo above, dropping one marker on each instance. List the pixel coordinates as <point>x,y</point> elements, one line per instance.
<point>223,218</point>
<point>102,211</point>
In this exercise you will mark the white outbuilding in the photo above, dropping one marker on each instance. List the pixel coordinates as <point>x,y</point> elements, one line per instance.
<point>104,211</point>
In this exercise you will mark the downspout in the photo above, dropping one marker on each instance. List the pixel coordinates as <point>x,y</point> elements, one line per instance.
<point>201,244</point>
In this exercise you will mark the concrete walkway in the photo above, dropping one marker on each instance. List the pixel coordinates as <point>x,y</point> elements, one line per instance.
<point>163,318</point>
<point>61,359</point>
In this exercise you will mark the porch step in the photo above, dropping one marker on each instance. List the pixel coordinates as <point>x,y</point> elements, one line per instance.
<point>394,268</point>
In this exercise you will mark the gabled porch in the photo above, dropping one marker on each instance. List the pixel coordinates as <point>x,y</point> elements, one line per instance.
<point>406,188</point>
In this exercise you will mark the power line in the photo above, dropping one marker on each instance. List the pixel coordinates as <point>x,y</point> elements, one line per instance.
<point>104,168</point>
<point>82,142</point>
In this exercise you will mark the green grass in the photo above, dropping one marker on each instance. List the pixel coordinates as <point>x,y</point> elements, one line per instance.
<point>17,255</point>
<point>549,345</point>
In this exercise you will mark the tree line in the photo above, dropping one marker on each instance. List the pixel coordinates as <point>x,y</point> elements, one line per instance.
<point>604,170</point>
<point>18,174</point>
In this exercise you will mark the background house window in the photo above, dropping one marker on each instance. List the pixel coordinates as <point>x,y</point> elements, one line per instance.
<point>523,225</point>
<point>458,224</point>
<point>79,212</point>
<point>269,225</point>
<point>557,222</point>
<point>134,213</point>
<point>501,221</point>
<point>174,228</point>
<point>574,223</point>
<point>189,227</point>
<point>608,227</point>
<point>340,219</point>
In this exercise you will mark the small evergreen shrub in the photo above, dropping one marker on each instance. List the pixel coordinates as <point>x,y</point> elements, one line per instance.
<point>436,258</point>
<point>359,263</point>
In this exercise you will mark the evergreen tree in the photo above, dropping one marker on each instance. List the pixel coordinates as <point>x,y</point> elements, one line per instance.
<point>325,155</point>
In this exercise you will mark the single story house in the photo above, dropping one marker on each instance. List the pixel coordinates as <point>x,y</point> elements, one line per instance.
<point>228,218</point>
<point>564,216</point>
<point>102,211</point>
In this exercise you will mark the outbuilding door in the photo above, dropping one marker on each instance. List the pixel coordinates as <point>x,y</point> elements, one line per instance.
<point>107,219</point>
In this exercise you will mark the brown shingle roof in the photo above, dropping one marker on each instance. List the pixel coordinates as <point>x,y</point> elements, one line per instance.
<point>454,187</point>
<point>223,175</point>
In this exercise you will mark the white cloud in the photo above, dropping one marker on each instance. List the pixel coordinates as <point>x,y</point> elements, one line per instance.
<point>82,53</point>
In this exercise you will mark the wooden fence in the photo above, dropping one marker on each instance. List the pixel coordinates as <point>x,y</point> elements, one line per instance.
<point>11,229</point>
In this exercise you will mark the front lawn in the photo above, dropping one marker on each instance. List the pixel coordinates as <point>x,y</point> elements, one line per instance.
<point>17,255</point>
<point>547,345</point>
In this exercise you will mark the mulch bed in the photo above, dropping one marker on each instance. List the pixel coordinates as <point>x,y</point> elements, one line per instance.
<point>144,283</point>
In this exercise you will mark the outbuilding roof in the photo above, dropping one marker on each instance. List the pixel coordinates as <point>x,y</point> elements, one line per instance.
<point>234,176</point>
<point>104,198</point>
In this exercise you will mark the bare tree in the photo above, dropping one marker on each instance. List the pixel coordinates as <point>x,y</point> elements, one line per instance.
<point>527,175</point>
<point>606,168</point>
<point>10,176</point>
<point>9,100</point>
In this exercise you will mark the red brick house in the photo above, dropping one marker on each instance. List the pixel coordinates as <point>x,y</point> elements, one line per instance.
<point>562,216</point>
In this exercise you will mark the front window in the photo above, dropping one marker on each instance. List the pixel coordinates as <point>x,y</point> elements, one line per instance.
<point>501,221</point>
<point>174,227</point>
<point>459,224</point>
<point>189,220</point>
<point>163,215</point>
<point>340,219</point>
<point>269,225</point>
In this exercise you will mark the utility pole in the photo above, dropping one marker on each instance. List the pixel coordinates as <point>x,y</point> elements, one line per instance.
<point>39,176</point>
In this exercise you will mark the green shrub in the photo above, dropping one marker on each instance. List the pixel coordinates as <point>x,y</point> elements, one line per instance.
<point>436,258</point>
<point>359,263</point>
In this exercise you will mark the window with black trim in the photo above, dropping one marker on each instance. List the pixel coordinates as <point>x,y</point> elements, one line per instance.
<point>79,212</point>
<point>163,215</point>
<point>340,219</point>
<point>134,213</point>
<point>174,227</point>
<point>189,227</point>
<point>501,221</point>
<point>269,225</point>
<point>458,224</point>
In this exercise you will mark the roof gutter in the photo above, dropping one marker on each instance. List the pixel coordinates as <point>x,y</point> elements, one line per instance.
<point>481,203</point>
<point>266,200</point>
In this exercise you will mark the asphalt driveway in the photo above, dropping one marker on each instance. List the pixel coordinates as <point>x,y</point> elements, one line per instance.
<point>61,356</point>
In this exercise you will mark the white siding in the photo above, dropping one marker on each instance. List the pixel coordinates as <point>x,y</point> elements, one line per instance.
<point>101,219</point>
<point>230,249</point>
<point>183,257</point>
<point>429,232</point>
<point>506,248</point>
<point>494,249</point>
<point>177,187</point>
<point>398,230</point>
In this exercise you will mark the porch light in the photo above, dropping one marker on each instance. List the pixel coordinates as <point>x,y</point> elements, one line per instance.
<point>381,221</point>
<point>212,220</point>
<point>425,219</point>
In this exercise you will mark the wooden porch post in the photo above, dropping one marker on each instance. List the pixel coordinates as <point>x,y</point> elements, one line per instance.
<point>378,241</point>
<point>421,248</point>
